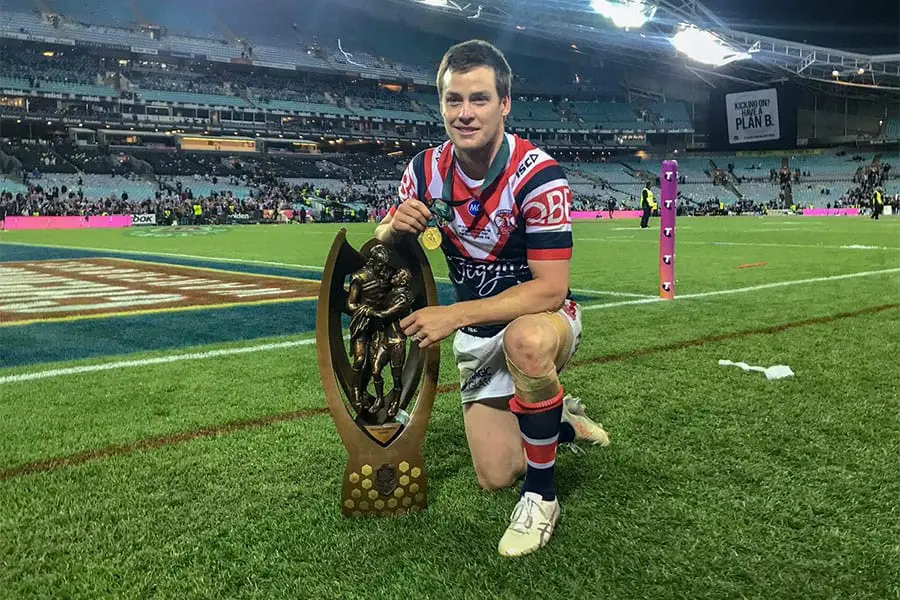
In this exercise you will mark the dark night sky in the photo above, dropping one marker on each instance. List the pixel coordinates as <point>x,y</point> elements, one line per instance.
<point>871,26</point>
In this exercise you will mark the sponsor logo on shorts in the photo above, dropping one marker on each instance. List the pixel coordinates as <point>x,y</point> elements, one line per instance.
<point>477,380</point>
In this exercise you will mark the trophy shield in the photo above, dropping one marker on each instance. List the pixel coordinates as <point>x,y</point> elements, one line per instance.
<point>370,379</point>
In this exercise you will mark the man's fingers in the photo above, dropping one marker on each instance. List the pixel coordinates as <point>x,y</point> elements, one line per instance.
<point>420,208</point>
<point>405,226</point>
<point>409,223</point>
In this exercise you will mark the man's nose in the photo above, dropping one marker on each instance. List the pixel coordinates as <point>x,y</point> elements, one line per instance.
<point>466,113</point>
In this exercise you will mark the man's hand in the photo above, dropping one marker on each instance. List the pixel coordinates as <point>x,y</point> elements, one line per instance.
<point>430,325</point>
<point>411,216</point>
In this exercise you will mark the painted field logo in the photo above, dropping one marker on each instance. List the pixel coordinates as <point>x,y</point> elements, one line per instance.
<point>100,286</point>
<point>168,232</point>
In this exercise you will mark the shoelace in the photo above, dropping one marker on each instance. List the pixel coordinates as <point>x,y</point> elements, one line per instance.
<point>573,448</point>
<point>522,517</point>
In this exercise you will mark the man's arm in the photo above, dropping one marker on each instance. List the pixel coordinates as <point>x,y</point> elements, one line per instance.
<point>409,215</point>
<point>545,292</point>
<point>545,199</point>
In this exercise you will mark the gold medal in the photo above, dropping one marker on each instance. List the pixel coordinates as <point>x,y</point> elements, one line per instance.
<point>431,238</point>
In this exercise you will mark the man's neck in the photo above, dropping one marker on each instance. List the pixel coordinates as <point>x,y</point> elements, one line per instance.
<point>475,164</point>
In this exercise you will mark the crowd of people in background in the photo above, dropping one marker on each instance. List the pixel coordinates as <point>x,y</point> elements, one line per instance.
<point>359,186</point>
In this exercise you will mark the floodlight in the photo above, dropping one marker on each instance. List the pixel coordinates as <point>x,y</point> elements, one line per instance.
<point>625,14</point>
<point>705,47</point>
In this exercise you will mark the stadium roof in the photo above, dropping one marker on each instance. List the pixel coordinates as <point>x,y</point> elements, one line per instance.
<point>772,60</point>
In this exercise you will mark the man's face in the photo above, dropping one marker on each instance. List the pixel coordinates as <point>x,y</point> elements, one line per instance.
<point>473,110</point>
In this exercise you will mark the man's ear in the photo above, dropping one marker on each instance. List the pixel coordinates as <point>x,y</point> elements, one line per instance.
<point>505,106</point>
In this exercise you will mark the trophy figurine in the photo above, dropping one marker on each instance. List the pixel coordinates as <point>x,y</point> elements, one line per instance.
<point>374,289</point>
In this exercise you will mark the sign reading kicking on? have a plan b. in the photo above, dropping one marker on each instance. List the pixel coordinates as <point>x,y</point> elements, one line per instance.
<point>752,116</point>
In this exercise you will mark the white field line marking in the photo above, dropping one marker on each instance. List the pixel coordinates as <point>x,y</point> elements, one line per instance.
<point>638,228</point>
<point>762,244</point>
<point>742,290</point>
<point>610,293</point>
<point>249,261</point>
<point>157,360</point>
<point>172,255</point>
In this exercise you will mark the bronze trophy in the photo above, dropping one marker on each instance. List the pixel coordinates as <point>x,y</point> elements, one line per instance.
<point>372,290</point>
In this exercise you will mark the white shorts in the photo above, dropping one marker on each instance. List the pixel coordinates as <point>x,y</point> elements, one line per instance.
<point>482,363</point>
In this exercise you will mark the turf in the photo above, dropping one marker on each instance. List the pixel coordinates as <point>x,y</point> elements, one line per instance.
<point>719,484</point>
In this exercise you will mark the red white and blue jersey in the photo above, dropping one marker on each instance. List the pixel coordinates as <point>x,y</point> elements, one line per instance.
<point>524,217</point>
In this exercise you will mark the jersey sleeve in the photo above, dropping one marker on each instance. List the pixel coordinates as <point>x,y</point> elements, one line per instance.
<point>410,183</point>
<point>545,202</point>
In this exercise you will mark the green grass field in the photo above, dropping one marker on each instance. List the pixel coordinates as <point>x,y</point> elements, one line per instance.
<point>219,477</point>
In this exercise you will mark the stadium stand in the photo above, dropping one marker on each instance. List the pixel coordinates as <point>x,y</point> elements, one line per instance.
<point>359,88</point>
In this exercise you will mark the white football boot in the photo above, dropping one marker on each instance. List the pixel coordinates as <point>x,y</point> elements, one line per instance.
<point>530,525</point>
<point>585,429</point>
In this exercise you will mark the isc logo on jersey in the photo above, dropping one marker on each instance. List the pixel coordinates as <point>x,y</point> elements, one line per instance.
<point>548,209</point>
<point>531,159</point>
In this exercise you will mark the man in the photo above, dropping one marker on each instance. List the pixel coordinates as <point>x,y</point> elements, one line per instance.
<point>646,205</point>
<point>502,206</point>
<point>877,203</point>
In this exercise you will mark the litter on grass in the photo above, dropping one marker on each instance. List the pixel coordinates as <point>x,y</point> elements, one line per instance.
<point>774,372</point>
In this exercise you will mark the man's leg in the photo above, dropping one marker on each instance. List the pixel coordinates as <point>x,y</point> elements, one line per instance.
<point>532,344</point>
<point>495,444</point>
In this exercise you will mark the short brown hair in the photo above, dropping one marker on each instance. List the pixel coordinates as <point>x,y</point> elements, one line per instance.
<point>469,55</point>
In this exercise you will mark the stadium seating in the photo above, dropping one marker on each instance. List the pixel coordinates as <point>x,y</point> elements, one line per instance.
<point>537,115</point>
<point>76,88</point>
<point>100,12</point>
<point>892,129</point>
<point>305,107</point>
<point>191,98</point>
<point>11,186</point>
<point>607,115</point>
<point>673,115</point>
<point>99,186</point>
<point>14,83</point>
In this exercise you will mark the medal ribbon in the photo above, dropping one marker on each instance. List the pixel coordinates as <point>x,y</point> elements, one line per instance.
<point>442,207</point>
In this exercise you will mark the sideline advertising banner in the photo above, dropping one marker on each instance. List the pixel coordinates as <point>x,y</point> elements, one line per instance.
<point>143,220</point>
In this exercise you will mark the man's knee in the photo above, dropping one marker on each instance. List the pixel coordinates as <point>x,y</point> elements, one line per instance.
<point>531,345</point>
<point>530,342</point>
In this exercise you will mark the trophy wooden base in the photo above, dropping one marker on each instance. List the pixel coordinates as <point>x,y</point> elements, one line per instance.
<point>384,483</point>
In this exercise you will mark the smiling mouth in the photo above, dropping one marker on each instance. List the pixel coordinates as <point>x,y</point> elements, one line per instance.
<point>467,129</point>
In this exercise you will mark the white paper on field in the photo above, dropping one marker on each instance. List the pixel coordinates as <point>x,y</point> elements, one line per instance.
<point>773,372</point>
